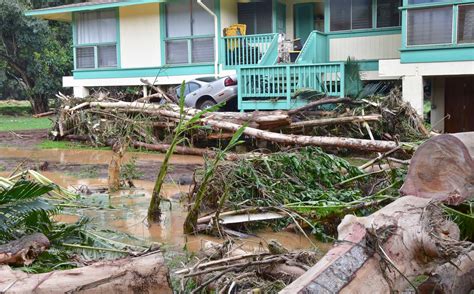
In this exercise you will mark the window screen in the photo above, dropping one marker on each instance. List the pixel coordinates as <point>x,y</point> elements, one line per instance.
<point>257,16</point>
<point>85,57</point>
<point>185,19</point>
<point>178,19</point>
<point>388,14</point>
<point>177,52</point>
<point>340,11</point>
<point>107,56</point>
<point>203,50</point>
<point>430,26</point>
<point>361,14</point>
<point>96,27</point>
<point>203,22</point>
<point>466,24</point>
<point>426,1</point>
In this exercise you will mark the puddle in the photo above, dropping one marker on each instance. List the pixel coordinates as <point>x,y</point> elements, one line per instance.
<point>126,210</point>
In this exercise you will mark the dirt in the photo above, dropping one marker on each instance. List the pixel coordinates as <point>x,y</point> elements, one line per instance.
<point>25,139</point>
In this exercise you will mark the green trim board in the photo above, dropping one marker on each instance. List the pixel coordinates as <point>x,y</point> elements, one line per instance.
<point>448,53</point>
<point>164,71</point>
<point>364,33</point>
<point>77,8</point>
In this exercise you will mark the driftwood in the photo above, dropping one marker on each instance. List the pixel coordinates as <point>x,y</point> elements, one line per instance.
<point>23,251</point>
<point>299,140</point>
<point>44,114</point>
<point>336,120</point>
<point>115,164</point>
<point>144,274</point>
<point>387,250</point>
<point>320,102</point>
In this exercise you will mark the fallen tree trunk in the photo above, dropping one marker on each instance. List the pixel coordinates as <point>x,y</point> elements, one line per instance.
<point>23,251</point>
<point>299,140</point>
<point>320,102</point>
<point>144,274</point>
<point>336,120</point>
<point>386,250</point>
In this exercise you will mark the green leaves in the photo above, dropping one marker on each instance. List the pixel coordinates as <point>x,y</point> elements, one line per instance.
<point>21,206</point>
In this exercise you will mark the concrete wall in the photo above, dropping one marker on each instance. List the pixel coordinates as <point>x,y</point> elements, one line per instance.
<point>228,13</point>
<point>140,44</point>
<point>365,48</point>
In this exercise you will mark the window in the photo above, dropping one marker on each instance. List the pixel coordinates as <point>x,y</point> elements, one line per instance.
<point>388,14</point>
<point>257,16</point>
<point>350,14</point>
<point>466,24</point>
<point>430,26</point>
<point>426,1</point>
<point>189,32</point>
<point>96,39</point>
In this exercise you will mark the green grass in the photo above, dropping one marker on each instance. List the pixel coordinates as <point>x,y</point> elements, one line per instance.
<point>48,144</point>
<point>23,123</point>
<point>15,108</point>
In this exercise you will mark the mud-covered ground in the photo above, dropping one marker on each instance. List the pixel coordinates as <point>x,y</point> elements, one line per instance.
<point>23,139</point>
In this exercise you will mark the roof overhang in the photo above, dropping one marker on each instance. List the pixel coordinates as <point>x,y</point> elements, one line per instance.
<point>64,13</point>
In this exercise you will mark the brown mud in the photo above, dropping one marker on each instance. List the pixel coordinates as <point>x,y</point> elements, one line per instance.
<point>126,210</point>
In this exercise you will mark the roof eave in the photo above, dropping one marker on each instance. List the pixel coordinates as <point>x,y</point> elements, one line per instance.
<point>65,13</point>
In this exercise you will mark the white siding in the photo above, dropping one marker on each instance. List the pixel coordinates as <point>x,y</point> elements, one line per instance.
<point>140,44</point>
<point>228,13</point>
<point>365,48</point>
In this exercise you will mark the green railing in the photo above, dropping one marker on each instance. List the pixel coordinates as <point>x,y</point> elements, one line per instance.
<point>315,50</point>
<point>250,50</point>
<point>276,87</point>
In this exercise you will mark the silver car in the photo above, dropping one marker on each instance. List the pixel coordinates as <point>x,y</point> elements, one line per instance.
<point>206,92</point>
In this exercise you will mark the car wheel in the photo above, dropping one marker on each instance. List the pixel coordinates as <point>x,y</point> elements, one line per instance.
<point>208,103</point>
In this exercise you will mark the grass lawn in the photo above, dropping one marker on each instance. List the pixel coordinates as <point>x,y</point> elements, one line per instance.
<point>16,116</point>
<point>23,123</point>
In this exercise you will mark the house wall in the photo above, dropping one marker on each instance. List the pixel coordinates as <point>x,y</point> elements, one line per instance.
<point>140,44</point>
<point>228,13</point>
<point>365,47</point>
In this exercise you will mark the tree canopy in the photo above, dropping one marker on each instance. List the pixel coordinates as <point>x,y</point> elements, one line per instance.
<point>34,54</point>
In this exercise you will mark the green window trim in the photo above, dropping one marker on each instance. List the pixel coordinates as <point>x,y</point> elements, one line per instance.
<point>75,45</point>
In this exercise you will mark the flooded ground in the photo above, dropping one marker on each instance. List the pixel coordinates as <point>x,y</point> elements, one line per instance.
<point>126,211</point>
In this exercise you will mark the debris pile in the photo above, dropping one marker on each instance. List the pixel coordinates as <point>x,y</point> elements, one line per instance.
<point>378,124</point>
<point>306,186</point>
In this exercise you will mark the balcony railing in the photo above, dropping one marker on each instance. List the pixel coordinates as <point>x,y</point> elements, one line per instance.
<point>250,50</point>
<point>276,87</point>
<point>315,50</point>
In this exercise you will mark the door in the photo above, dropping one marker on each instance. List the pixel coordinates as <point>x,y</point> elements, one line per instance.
<point>281,18</point>
<point>304,20</point>
<point>459,104</point>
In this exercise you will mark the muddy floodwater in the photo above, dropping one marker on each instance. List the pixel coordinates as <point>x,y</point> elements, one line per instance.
<point>125,211</point>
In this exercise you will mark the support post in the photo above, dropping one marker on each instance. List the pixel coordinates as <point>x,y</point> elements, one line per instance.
<point>413,92</point>
<point>81,92</point>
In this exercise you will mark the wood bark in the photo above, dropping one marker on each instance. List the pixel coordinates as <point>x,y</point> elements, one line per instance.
<point>144,274</point>
<point>115,166</point>
<point>386,250</point>
<point>335,120</point>
<point>320,102</point>
<point>23,251</point>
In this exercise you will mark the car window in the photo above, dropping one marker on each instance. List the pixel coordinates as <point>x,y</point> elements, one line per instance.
<point>193,87</point>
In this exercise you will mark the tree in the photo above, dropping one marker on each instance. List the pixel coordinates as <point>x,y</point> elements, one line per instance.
<point>35,54</point>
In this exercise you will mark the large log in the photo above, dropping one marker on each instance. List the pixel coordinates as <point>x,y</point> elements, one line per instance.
<point>335,120</point>
<point>443,169</point>
<point>23,251</point>
<point>386,250</point>
<point>298,140</point>
<point>144,274</point>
